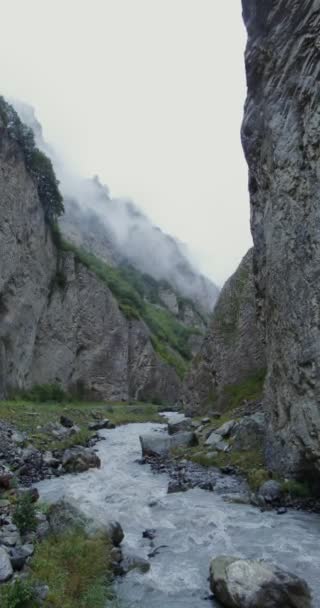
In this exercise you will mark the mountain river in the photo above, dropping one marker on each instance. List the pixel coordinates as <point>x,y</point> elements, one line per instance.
<point>192,527</point>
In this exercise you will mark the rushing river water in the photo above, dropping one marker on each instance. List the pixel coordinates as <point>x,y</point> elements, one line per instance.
<point>193,526</point>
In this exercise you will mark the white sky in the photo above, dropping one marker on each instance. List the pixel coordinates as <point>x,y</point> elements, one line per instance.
<point>149,95</point>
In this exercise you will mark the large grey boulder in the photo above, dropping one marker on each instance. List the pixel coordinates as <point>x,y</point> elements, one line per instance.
<point>6,570</point>
<point>243,583</point>
<point>79,459</point>
<point>271,491</point>
<point>182,425</point>
<point>250,432</point>
<point>160,444</point>
<point>214,441</point>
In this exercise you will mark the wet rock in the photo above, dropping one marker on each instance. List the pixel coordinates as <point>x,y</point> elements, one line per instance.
<point>101,424</point>
<point>79,459</point>
<point>282,510</point>
<point>134,562</point>
<point>150,534</point>
<point>66,422</point>
<point>115,533</point>
<point>241,583</point>
<point>182,425</point>
<point>175,486</point>
<point>271,491</point>
<point>6,570</point>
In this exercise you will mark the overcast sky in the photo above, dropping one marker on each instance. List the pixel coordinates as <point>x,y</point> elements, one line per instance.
<point>149,95</point>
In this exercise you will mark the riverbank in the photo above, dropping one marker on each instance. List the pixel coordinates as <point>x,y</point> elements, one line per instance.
<point>45,567</point>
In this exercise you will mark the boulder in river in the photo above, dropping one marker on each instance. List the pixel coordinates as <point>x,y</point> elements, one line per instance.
<point>271,491</point>
<point>155,445</point>
<point>79,459</point>
<point>244,583</point>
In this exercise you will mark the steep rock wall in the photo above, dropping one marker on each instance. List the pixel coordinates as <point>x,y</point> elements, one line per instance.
<point>281,139</point>
<point>58,321</point>
<point>233,349</point>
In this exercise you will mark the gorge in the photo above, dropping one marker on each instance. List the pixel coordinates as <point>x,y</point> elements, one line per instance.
<point>102,314</point>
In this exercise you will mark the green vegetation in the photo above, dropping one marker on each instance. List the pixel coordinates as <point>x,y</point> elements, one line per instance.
<point>24,516</point>
<point>34,418</point>
<point>250,390</point>
<point>37,164</point>
<point>76,568</point>
<point>138,298</point>
<point>43,393</point>
<point>19,594</point>
<point>296,489</point>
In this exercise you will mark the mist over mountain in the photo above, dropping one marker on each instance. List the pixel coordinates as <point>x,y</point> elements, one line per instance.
<point>118,232</point>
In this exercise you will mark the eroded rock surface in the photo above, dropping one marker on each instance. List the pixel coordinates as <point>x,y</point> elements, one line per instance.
<point>281,139</point>
<point>232,350</point>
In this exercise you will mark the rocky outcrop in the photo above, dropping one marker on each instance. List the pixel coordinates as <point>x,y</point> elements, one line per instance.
<point>244,583</point>
<point>59,323</point>
<point>281,139</point>
<point>233,349</point>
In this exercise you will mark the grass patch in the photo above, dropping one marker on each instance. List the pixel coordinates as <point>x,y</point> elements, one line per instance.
<point>28,417</point>
<point>24,516</point>
<point>250,390</point>
<point>19,594</point>
<point>76,568</point>
<point>42,393</point>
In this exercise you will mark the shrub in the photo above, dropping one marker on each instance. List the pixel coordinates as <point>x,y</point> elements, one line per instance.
<point>45,392</point>
<point>296,489</point>
<point>19,594</point>
<point>24,516</point>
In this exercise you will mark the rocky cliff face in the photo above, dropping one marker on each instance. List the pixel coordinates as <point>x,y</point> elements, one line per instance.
<point>281,138</point>
<point>58,321</point>
<point>233,349</point>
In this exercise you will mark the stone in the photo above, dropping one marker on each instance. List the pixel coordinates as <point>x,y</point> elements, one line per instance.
<point>100,424</point>
<point>19,556</point>
<point>241,583</point>
<point>5,479</point>
<point>155,445</point>
<point>271,491</point>
<point>79,459</point>
<point>226,429</point>
<point>205,421</point>
<point>134,562</point>
<point>182,425</point>
<point>67,422</point>
<point>250,432</point>
<point>215,442</point>
<point>175,486</point>
<point>150,533</point>
<point>115,533</point>
<point>6,570</point>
